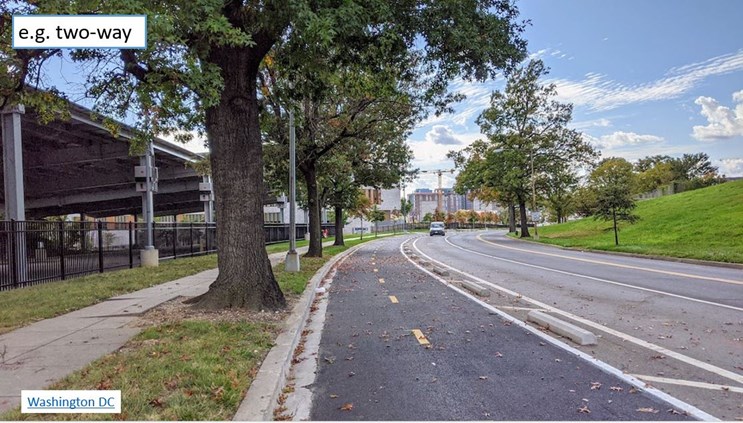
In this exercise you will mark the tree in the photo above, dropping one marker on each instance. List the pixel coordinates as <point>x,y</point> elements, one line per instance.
<point>559,187</point>
<point>428,218</point>
<point>375,216</point>
<point>612,182</point>
<point>405,208</point>
<point>527,136</point>
<point>360,208</point>
<point>199,72</point>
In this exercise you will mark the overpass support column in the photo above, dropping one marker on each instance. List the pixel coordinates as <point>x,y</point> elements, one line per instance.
<point>149,255</point>
<point>15,208</point>
<point>206,190</point>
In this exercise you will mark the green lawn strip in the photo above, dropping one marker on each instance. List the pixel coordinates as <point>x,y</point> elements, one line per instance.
<point>20,307</point>
<point>186,370</point>
<point>190,370</point>
<point>703,224</point>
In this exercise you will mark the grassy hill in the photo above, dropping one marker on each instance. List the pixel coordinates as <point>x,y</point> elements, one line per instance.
<point>703,224</point>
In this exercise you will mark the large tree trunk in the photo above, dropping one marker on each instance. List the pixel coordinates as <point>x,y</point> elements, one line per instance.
<point>313,207</point>
<point>524,220</point>
<point>339,223</point>
<point>511,217</point>
<point>245,278</point>
<point>616,232</point>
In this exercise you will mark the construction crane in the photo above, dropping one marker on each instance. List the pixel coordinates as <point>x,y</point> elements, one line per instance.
<point>439,172</point>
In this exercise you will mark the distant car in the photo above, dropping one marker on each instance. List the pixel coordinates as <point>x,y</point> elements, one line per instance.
<point>436,228</point>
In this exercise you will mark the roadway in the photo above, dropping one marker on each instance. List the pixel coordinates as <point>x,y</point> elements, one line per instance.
<point>676,326</point>
<point>399,343</point>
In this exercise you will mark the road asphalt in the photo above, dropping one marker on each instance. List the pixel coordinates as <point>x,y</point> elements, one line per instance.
<point>398,344</point>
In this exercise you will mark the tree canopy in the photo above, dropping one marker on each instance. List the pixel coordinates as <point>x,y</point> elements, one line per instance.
<point>200,69</point>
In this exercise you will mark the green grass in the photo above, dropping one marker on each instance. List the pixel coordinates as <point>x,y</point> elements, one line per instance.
<point>20,307</point>
<point>189,370</point>
<point>185,370</point>
<point>705,224</point>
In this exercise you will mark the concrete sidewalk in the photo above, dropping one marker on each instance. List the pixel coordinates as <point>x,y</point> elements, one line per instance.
<point>37,355</point>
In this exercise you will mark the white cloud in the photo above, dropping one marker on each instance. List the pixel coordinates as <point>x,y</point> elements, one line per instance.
<point>443,135</point>
<point>594,123</point>
<point>722,122</point>
<point>731,166</point>
<point>620,139</point>
<point>598,92</point>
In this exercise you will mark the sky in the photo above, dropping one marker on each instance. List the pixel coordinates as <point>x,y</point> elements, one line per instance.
<point>645,78</point>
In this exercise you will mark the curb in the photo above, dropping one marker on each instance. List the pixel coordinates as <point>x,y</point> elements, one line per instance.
<point>260,400</point>
<point>636,255</point>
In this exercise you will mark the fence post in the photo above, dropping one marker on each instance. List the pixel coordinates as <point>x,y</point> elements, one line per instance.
<point>131,246</point>
<point>206,236</point>
<point>175,240</point>
<point>100,246</point>
<point>190,238</point>
<point>61,250</point>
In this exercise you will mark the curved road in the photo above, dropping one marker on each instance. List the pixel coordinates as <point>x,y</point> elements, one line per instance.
<point>674,325</point>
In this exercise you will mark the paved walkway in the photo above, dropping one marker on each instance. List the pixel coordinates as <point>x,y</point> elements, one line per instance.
<point>39,354</point>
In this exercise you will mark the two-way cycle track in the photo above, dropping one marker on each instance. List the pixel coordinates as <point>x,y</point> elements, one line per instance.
<point>400,342</point>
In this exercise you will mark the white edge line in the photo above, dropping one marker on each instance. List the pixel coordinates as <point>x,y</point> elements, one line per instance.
<point>673,401</point>
<point>691,383</point>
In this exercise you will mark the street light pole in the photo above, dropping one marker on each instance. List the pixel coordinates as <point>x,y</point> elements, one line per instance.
<point>291,263</point>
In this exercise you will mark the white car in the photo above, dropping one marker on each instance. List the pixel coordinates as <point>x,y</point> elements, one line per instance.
<point>436,228</point>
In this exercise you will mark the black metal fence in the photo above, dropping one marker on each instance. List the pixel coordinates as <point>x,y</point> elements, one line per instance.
<point>34,252</point>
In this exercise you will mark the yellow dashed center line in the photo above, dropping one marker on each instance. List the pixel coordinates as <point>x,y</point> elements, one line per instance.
<point>393,299</point>
<point>420,337</point>
<point>381,280</point>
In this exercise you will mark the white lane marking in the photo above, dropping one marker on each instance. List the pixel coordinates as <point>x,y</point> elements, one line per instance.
<point>621,335</point>
<point>675,402</point>
<point>593,278</point>
<point>690,383</point>
<point>520,308</point>
<point>607,263</point>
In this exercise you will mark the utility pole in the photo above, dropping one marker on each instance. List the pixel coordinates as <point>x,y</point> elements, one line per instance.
<point>291,264</point>
<point>439,172</point>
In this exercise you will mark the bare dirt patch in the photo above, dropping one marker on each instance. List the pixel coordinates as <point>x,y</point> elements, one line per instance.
<point>176,311</point>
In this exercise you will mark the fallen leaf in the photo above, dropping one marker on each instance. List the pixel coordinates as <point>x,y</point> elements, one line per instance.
<point>498,354</point>
<point>595,385</point>
<point>557,360</point>
<point>616,388</point>
<point>333,396</point>
<point>647,410</point>
<point>104,385</point>
<point>483,377</point>
<point>633,390</point>
<point>218,392</point>
<point>658,357</point>
<point>347,407</point>
<point>351,374</point>
<point>330,359</point>
<point>584,409</point>
<point>157,402</point>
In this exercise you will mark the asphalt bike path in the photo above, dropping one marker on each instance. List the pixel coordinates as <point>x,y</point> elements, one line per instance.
<point>397,344</point>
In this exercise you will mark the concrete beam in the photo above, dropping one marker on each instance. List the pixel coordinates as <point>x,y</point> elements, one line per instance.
<point>166,187</point>
<point>576,334</point>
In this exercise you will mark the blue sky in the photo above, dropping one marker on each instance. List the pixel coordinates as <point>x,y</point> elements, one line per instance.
<point>645,77</point>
